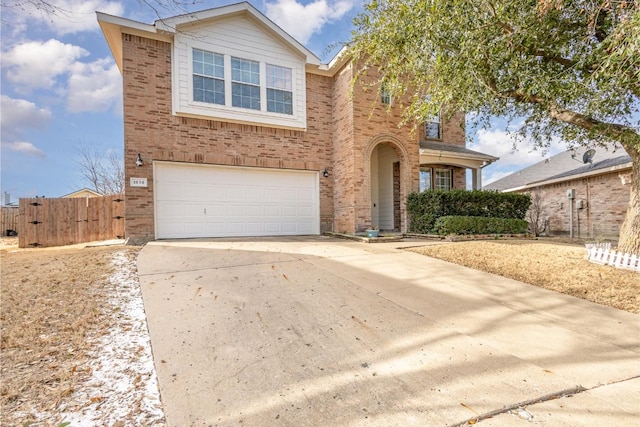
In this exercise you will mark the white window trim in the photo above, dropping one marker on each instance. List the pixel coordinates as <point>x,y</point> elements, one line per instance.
<point>432,121</point>
<point>261,70</point>
<point>236,114</point>
<point>435,178</point>
<point>266,88</point>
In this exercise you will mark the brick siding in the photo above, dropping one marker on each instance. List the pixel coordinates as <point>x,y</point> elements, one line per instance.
<point>342,131</point>
<point>605,200</point>
<point>152,131</point>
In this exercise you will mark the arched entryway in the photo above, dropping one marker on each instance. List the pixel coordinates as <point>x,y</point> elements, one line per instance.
<point>386,187</point>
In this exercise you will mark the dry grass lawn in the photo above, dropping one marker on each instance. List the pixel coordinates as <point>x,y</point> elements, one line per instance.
<point>53,303</point>
<point>555,266</point>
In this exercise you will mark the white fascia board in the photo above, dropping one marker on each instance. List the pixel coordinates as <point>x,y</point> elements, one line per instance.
<point>570,177</point>
<point>124,22</point>
<point>454,155</point>
<point>332,67</point>
<point>113,27</point>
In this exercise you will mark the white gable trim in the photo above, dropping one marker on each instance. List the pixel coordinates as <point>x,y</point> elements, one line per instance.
<point>245,9</point>
<point>237,36</point>
<point>165,29</point>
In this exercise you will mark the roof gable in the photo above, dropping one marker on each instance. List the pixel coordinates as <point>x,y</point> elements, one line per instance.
<point>237,10</point>
<point>165,29</point>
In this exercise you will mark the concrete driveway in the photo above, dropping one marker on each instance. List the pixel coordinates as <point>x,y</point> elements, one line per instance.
<point>318,331</point>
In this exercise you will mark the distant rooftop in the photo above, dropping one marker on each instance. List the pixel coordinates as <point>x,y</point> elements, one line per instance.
<point>563,165</point>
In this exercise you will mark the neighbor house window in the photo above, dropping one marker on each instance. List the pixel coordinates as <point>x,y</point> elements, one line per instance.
<point>245,83</point>
<point>279,89</point>
<point>432,128</point>
<point>208,77</point>
<point>443,179</point>
<point>385,93</point>
<point>425,179</point>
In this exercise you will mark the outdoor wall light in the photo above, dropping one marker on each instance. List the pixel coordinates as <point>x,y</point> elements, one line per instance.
<point>139,161</point>
<point>325,173</point>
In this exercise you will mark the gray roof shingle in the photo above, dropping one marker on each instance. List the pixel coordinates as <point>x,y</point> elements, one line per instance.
<point>561,165</point>
<point>451,148</point>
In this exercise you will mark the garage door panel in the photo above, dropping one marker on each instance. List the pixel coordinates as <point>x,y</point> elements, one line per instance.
<point>217,201</point>
<point>272,210</point>
<point>214,210</point>
<point>254,193</point>
<point>214,228</point>
<point>172,209</point>
<point>191,228</point>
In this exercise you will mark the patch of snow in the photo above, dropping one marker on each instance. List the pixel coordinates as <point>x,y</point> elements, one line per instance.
<point>123,388</point>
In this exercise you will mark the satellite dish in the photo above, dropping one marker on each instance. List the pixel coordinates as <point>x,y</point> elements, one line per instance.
<point>587,157</point>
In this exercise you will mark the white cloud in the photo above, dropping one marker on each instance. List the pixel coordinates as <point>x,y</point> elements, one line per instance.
<point>89,86</point>
<point>35,64</point>
<point>301,21</point>
<point>499,143</point>
<point>19,115</point>
<point>23,147</point>
<point>96,86</point>
<point>60,16</point>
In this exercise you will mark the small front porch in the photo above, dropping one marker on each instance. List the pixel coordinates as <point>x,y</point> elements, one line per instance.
<point>444,166</point>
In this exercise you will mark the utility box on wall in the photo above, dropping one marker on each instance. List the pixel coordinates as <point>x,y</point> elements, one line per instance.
<point>580,204</point>
<point>571,194</point>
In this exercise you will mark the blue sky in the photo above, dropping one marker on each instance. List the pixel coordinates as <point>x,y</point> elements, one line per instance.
<point>61,88</point>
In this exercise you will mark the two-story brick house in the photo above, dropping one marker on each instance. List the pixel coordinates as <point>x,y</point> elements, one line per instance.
<point>233,128</point>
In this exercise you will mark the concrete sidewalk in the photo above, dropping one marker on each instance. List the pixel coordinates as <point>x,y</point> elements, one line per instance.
<point>318,331</point>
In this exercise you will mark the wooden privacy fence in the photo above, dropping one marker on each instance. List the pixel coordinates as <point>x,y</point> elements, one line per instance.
<point>57,222</point>
<point>9,219</point>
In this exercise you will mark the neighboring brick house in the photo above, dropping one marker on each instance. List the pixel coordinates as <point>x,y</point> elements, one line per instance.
<point>242,131</point>
<point>601,191</point>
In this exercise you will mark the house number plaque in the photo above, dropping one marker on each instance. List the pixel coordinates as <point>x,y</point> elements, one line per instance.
<point>138,182</point>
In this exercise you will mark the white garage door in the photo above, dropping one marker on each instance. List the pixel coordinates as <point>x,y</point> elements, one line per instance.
<point>220,201</point>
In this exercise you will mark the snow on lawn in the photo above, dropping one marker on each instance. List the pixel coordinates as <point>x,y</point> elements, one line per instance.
<point>123,388</point>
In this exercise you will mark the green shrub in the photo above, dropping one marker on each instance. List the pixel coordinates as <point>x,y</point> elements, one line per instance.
<point>479,225</point>
<point>426,207</point>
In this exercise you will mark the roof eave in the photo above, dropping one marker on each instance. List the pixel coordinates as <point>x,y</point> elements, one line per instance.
<point>596,172</point>
<point>466,156</point>
<point>112,27</point>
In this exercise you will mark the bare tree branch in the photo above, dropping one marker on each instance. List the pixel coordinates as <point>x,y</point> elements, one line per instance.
<point>101,172</point>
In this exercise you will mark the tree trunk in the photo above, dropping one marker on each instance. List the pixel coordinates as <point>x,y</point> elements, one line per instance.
<point>629,240</point>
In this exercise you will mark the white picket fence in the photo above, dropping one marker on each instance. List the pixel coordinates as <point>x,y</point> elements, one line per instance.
<point>616,259</point>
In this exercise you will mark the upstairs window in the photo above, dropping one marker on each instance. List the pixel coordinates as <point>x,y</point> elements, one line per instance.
<point>245,83</point>
<point>208,77</point>
<point>279,89</point>
<point>231,87</point>
<point>385,93</point>
<point>432,128</point>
